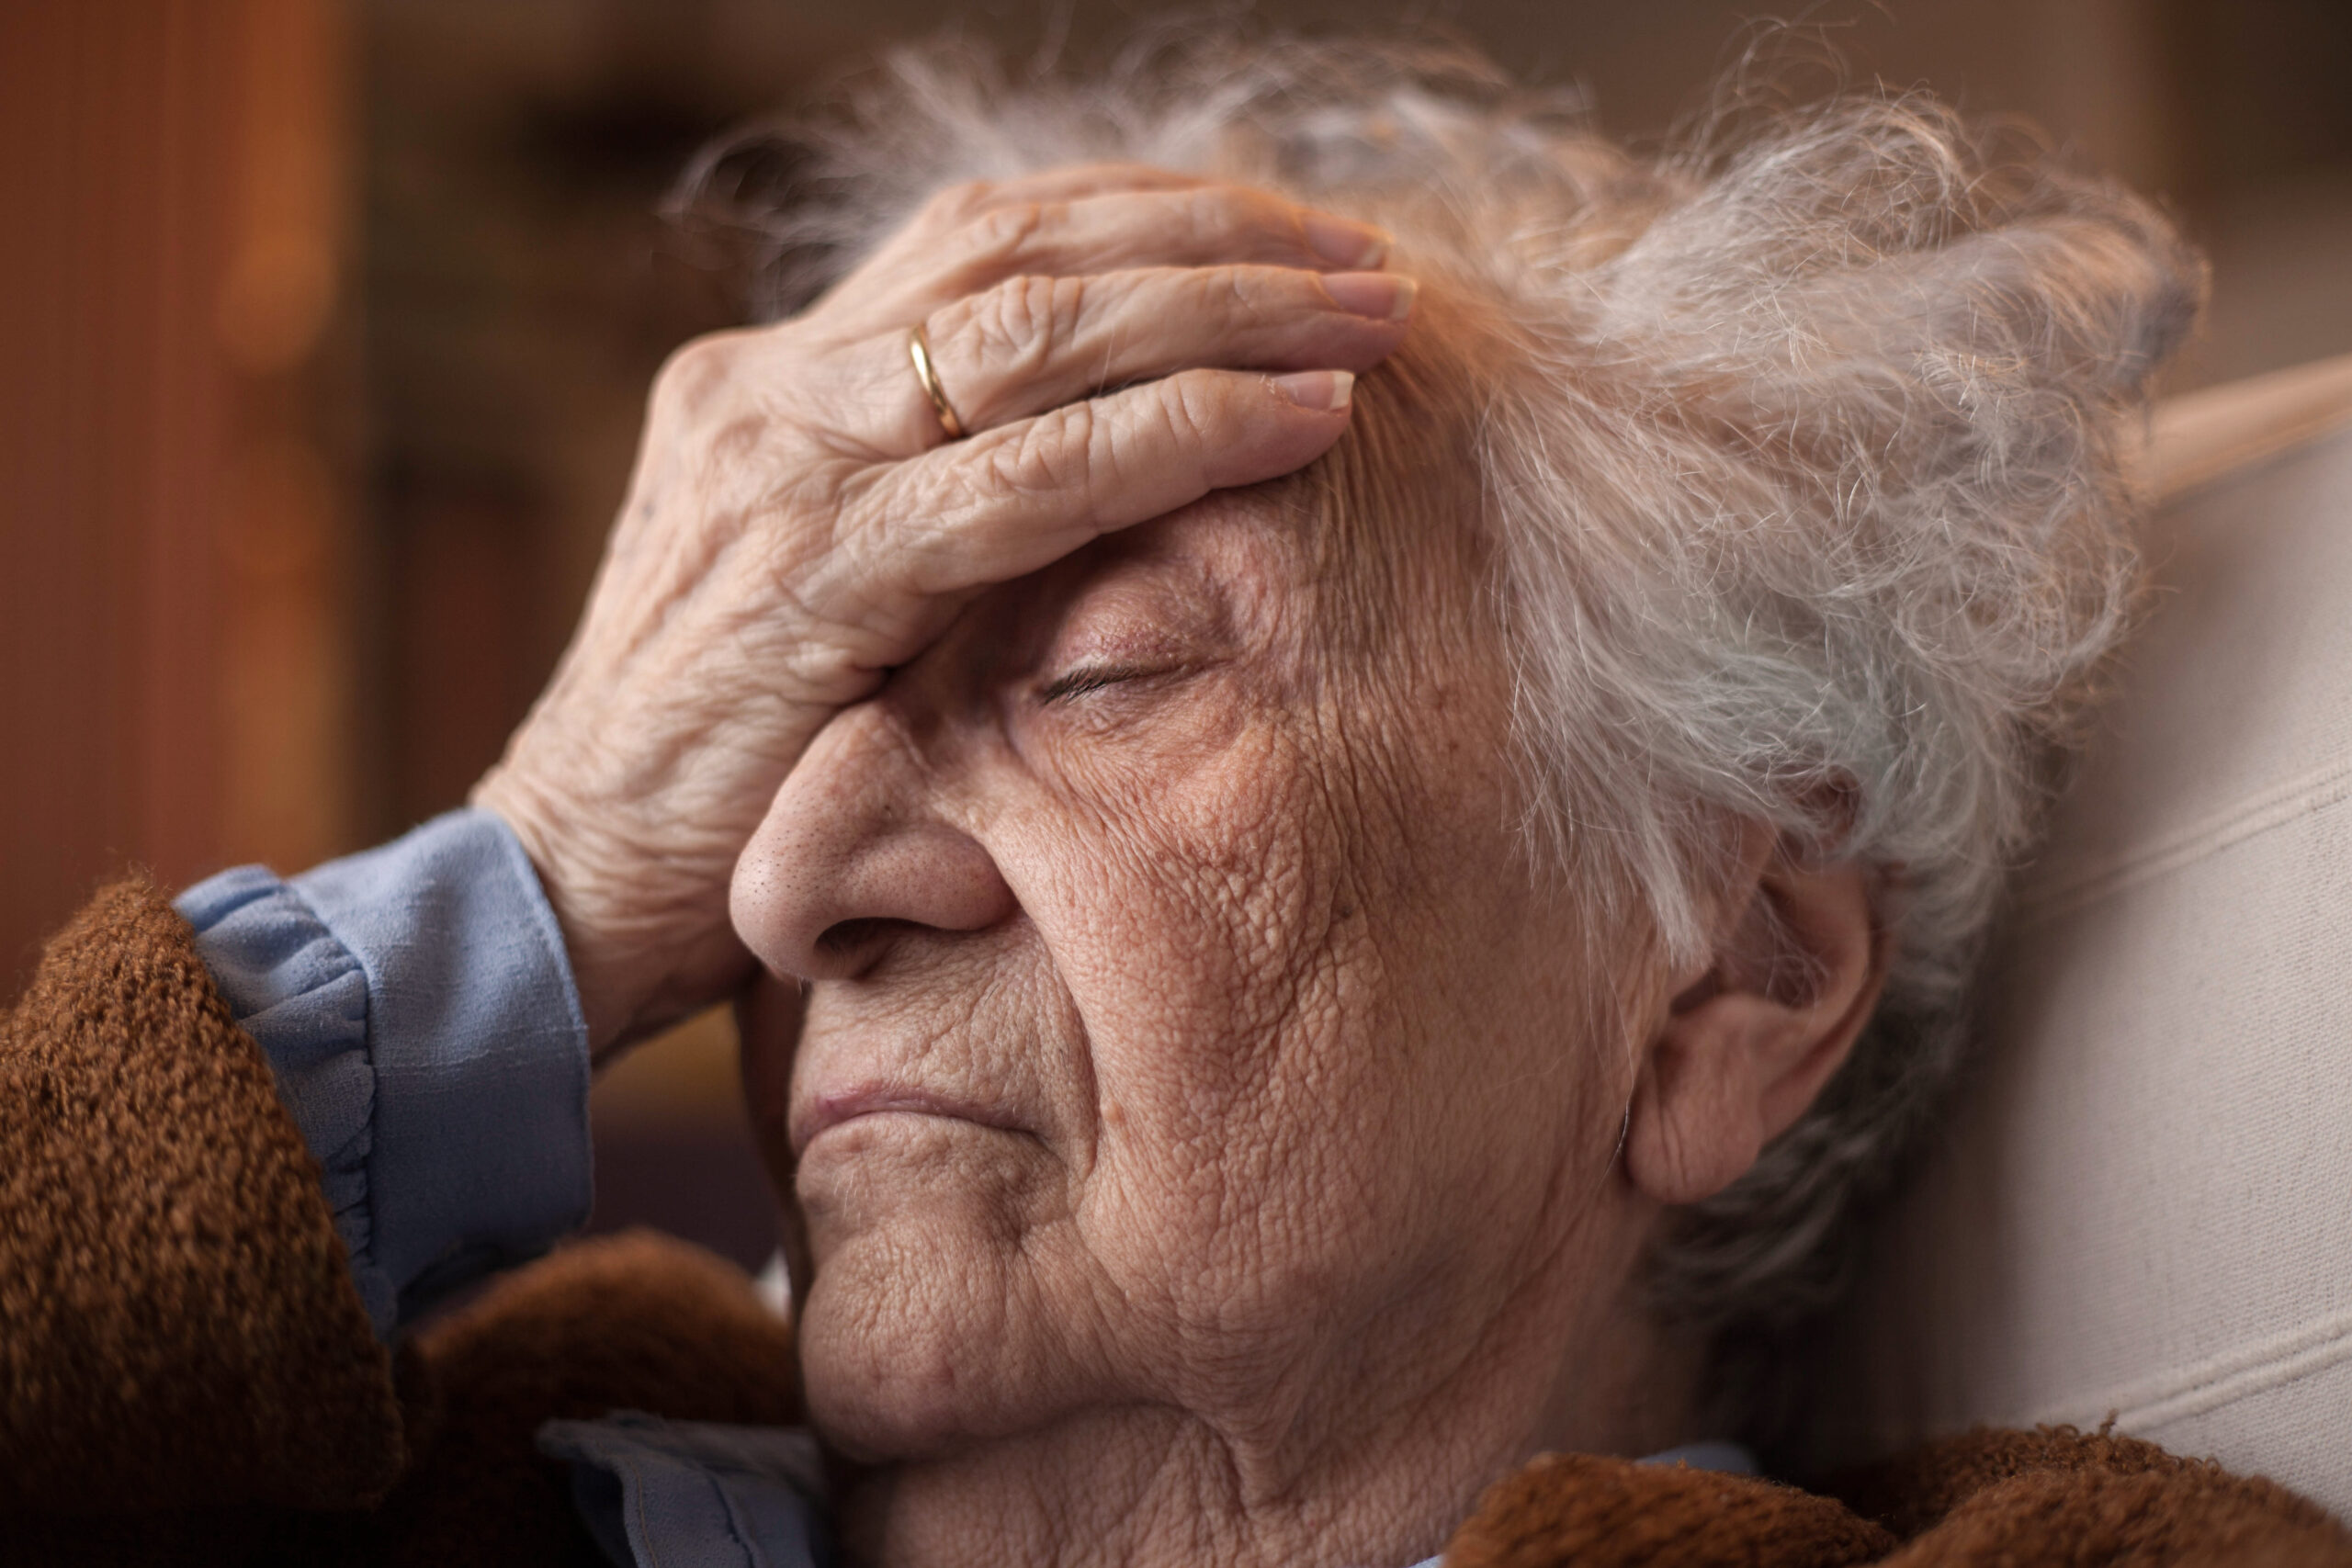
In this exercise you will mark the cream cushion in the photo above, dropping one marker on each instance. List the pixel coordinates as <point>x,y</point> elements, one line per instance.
<point>2141,1204</point>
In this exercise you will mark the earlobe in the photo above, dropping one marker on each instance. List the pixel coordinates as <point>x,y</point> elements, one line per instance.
<point>1693,1127</point>
<point>1742,1050</point>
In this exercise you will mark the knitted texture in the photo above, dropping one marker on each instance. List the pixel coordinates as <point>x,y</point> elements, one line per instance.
<point>2059,1496</point>
<point>177,1321</point>
<point>638,1321</point>
<point>1594,1512</point>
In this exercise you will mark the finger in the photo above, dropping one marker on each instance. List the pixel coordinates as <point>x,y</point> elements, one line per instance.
<point>1198,226</point>
<point>1032,343</point>
<point>1071,184</point>
<point>1195,227</point>
<point>1016,499</point>
<point>912,252</point>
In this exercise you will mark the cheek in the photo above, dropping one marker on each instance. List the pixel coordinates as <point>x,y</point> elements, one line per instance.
<point>1338,1059</point>
<point>1221,948</point>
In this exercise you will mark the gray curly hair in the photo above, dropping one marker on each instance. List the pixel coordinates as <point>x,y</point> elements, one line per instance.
<point>1806,447</point>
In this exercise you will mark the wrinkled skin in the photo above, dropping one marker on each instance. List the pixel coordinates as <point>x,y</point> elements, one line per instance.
<point>1209,1140</point>
<point>1228,1151</point>
<point>798,523</point>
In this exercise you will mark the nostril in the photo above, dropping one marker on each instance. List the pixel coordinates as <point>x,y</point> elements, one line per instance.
<point>844,939</point>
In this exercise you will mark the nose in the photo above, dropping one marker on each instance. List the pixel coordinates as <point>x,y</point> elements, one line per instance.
<point>856,850</point>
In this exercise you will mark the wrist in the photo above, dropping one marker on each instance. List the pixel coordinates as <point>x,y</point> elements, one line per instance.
<point>646,933</point>
<point>598,978</point>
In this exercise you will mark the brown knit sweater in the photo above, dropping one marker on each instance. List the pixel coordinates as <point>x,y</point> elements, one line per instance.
<point>187,1374</point>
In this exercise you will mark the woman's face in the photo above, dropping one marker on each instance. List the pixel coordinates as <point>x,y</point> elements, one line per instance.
<point>1185,1032</point>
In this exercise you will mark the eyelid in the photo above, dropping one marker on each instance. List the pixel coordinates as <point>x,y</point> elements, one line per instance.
<point>1132,632</point>
<point>1085,678</point>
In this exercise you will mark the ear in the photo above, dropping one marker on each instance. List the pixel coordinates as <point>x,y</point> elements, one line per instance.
<point>1747,1042</point>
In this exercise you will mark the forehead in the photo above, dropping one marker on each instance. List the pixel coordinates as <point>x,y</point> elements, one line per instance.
<point>1399,544</point>
<point>1327,568</point>
<point>1375,550</point>
<point>1228,560</point>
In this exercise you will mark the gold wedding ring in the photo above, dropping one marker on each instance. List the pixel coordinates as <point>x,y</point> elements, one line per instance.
<point>918,350</point>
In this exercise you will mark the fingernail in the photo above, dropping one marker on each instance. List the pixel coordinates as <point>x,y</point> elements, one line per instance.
<point>1327,390</point>
<point>1383,296</point>
<point>1345,242</point>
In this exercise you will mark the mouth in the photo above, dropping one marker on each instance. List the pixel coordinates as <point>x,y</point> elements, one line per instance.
<point>828,1111</point>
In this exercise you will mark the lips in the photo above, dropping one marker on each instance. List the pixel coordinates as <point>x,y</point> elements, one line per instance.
<point>832,1108</point>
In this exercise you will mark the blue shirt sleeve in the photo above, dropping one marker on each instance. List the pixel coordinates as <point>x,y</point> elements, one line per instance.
<point>418,1011</point>
<point>696,1495</point>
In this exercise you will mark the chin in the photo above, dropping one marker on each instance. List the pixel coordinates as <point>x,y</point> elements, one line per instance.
<point>884,1378</point>
<point>918,1334</point>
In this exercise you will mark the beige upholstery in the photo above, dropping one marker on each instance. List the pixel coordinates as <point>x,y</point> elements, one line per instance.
<point>2144,1206</point>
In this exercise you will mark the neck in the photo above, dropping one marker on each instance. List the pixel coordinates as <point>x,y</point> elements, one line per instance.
<point>1382,1486</point>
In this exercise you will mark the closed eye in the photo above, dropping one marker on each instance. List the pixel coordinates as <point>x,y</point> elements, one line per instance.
<point>1092,678</point>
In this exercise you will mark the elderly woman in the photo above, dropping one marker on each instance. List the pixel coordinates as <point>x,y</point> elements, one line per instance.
<point>1303,941</point>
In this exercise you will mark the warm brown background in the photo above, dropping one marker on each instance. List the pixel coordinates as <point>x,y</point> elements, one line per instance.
<point>324,326</point>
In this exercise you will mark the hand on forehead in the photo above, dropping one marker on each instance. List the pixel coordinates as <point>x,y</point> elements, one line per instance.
<point>1111,343</point>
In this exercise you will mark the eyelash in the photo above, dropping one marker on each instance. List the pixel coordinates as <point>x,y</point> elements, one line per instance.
<point>1087,678</point>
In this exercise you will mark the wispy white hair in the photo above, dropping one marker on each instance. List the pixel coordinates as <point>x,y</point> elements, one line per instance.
<point>1805,449</point>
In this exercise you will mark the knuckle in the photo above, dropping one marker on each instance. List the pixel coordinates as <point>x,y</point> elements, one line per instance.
<point>697,370</point>
<point>1063,303</point>
<point>1057,453</point>
<point>1214,210</point>
<point>1106,449</point>
<point>957,203</point>
<point>1118,446</point>
<point>1230,293</point>
<point>1007,230</point>
<point>1191,408</point>
<point>1019,323</point>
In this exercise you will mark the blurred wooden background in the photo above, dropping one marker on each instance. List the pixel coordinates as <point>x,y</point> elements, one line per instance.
<point>325,324</point>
